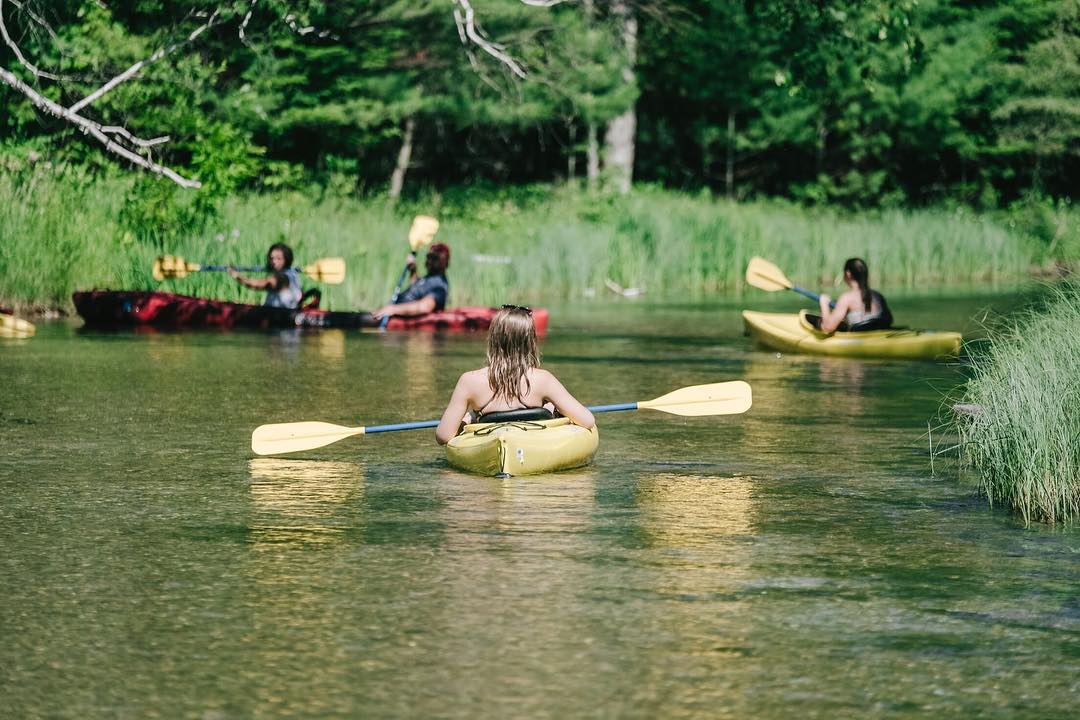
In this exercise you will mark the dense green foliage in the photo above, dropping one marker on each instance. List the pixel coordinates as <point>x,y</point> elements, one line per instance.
<point>60,232</point>
<point>856,102</point>
<point>1024,435</point>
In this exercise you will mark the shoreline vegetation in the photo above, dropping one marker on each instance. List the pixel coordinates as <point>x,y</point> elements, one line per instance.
<point>66,230</point>
<point>1019,427</point>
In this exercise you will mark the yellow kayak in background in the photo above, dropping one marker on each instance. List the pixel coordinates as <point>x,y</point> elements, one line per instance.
<point>794,333</point>
<point>525,447</point>
<point>13,327</point>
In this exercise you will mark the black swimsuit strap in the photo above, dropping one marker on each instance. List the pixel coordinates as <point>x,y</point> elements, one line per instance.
<point>492,399</point>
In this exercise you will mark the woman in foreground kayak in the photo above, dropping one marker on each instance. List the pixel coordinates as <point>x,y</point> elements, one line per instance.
<point>282,286</point>
<point>512,379</point>
<point>860,308</point>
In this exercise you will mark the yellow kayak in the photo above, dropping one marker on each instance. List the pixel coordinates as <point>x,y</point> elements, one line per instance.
<point>526,447</point>
<point>13,327</point>
<point>794,333</point>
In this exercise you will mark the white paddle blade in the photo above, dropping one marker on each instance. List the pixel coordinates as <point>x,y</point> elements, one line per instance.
<point>422,231</point>
<point>726,398</point>
<point>763,275</point>
<point>280,438</point>
<point>327,270</point>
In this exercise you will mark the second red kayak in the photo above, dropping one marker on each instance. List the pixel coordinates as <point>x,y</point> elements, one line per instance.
<point>128,308</point>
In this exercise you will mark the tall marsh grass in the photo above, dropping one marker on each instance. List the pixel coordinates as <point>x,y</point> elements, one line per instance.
<point>62,231</point>
<point>1024,438</point>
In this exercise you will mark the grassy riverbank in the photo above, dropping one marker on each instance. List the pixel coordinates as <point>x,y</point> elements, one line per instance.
<point>1024,434</point>
<point>62,231</point>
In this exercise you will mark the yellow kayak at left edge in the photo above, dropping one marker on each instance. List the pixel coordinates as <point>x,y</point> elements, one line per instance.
<point>13,327</point>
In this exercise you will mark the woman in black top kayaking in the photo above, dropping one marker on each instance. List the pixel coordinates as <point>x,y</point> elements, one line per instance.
<point>424,295</point>
<point>859,308</point>
<point>512,379</point>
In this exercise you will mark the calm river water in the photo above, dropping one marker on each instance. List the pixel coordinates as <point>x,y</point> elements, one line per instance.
<point>798,560</point>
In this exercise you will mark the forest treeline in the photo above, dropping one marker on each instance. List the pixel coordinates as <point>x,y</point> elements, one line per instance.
<point>857,103</point>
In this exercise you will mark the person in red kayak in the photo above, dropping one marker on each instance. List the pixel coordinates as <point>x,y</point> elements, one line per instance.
<point>424,295</point>
<point>860,308</point>
<point>282,285</point>
<point>512,385</point>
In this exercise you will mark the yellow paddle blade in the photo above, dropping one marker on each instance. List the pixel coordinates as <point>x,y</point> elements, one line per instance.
<point>294,437</point>
<point>726,398</point>
<point>764,275</point>
<point>422,231</point>
<point>328,270</point>
<point>13,327</point>
<point>172,267</point>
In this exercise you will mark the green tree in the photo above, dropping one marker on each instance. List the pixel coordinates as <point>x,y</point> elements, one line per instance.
<point>1040,120</point>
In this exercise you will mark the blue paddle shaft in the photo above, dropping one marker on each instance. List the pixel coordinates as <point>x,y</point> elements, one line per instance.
<point>397,293</point>
<point>223,268</point>
<point>612,408</point>
<point>401,426</point>
<point>435,423</point>
<point>810,294</point>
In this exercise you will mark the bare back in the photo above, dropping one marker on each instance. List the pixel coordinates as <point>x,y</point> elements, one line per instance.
<point>473,393</point>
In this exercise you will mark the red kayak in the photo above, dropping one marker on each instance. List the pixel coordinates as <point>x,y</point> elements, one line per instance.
<point>126,308</point>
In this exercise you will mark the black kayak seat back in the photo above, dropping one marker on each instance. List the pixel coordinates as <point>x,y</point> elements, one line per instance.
<point>881,322</point>
<point>310,299</point>
<point>521,415</point>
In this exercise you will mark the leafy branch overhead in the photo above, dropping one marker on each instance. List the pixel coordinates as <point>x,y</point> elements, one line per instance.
<point>60,71</point>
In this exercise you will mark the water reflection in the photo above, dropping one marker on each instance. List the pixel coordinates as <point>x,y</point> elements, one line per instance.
<point>303,501</point>
<point>517,512</point>
<point>330,344</point>
<point>843,382</point>
<point>684,511</point>
<point>708,522</point>
<point>419,368</point>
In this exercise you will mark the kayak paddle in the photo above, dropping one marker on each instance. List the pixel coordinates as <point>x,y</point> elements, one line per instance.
<point>726,398</point>
<point>421,234</point>
<point>327,270</point>
<point>763,275</point>
<point>13,327</point>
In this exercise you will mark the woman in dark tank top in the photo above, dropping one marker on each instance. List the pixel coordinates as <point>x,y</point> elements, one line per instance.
<point>859,308</point>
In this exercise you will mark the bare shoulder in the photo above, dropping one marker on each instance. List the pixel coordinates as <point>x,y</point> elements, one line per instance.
<point>472,380</point>
<point>543,378</point>
<point>849,299</point>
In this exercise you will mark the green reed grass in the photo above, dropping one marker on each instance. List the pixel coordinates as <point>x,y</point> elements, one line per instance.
<point>63,230</point>
<point>1024,437</point>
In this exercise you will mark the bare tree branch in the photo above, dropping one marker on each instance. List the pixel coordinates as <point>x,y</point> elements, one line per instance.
<point>134,69</point>
<point>18,53</point>
<point>464,17</point>
<point>466,21</point>
<point>36,18</point>
<point>245,21</point>
<point>93,129</point>
<point>123,132</point>
<point>117,139</point>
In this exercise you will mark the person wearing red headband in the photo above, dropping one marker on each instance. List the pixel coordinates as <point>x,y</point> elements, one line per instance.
<point>424,295</point>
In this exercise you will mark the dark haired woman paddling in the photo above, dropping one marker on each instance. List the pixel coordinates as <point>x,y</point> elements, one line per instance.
<point>859,308</point>
<point>512,379</point>
<point>282,286</point>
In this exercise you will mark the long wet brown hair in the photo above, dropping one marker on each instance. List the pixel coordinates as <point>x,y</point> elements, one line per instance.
<point>861,275</point>
<point>512,351</point>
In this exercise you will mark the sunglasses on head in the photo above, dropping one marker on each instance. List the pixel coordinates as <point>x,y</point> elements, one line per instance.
<point>517,307</point>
